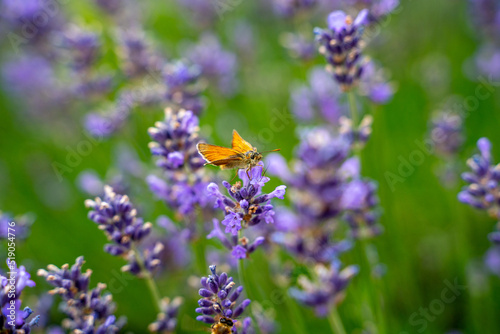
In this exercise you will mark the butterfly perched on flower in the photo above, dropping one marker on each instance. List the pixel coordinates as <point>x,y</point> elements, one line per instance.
<point>241,155</point>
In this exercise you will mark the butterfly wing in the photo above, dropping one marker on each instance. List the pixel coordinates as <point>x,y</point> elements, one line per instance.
<point>239,144</point>
<point>218,155</point>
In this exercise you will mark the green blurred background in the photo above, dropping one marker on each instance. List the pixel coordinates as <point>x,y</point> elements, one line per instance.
<point>429,237</point>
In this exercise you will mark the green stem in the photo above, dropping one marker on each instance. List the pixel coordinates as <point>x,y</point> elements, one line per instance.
<point>297,319</point>
<point>353,108</point>
<point>152,287</point>
<point>335,322</point>
<point>199,248</point>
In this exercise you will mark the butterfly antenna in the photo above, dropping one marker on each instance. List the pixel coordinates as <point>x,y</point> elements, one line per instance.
<point>276,150</point>
<point>265,171</point>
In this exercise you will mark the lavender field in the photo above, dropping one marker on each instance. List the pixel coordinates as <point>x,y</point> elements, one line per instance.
<point>250,167</point>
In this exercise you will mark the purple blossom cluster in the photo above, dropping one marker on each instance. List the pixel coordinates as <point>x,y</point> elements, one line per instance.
<point>341,45</point>
<point>218,305</point>
<point>13,319</point>
<point>486,17</point>
<point>183,87</point>
<point>88,311</point>
<point>217,65</point>
<point>18,226</point>
<point>320,98</point>
<point>327,291</point>
<point>167,319</point>
<point>326,182</point>
<point>446,133</point>
<point>117,217</point>
<point>378,9</point>
<point>326,189</point>
<point>482,190</point>
<point>291,8</point>
<point>174,143</point>
<point>245,206</point>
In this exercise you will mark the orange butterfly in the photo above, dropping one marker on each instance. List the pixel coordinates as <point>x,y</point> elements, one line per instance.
<point>241,155</point>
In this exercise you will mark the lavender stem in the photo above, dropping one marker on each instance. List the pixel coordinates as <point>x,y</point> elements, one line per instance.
<point>353,108</point>
<point>335,321</point>
<point>153,288</point>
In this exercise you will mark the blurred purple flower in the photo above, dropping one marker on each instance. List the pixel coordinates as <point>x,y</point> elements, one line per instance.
<point>19,226</point>
<point>446,132</point>
<point>299,46</point>
<point>216,64</point>
<point>321,98</point>
<point>374,85</point>
<point>324,292</point>
<point>183,89</point>
<point>167,319</point>
<point>290,8</point>
<point>89,311</point>
<point>487,61</point>
<point>138,57</point>
<point>79,47</point>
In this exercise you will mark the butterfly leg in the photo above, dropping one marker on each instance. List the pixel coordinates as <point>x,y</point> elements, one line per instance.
<point>234,175</point>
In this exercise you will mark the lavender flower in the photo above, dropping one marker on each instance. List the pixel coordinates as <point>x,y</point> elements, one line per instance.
<point>340,44</point>
<point>80,47</point>
<point>204,12</point>
<point>446,132</point>
<point>12,318</point>
<point>359,202</point>
<point>174,142</point>
<point>88,311</point>
<point>374,85</point>
<point>216,64</point>
<point>167,320</point>
<point>117,217</point>
<point>22,19</point>
<point>110,6</point>
<point>175,240</point>
<point>299,46</point>
<point>104,124</point>
<point>482,191</point>
<point>138,56</point>
<point>183,86</point>
<point>19,226</point>
<point>357,136</point>
<point>34,74</point>
<point>487,60</point>
<point>326,291</point>
<point>290,8</point>
<point>321,98</point>
<point>247,206</point>
<point>486,14</point>
<point>325,188</point>
<point>218,302</point>
<point>377,8</point>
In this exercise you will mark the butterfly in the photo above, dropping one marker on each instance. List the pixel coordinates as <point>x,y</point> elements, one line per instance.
<point>241,155</point>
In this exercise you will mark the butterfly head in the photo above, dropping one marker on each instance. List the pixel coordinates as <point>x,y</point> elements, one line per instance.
<point>254,157</point>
